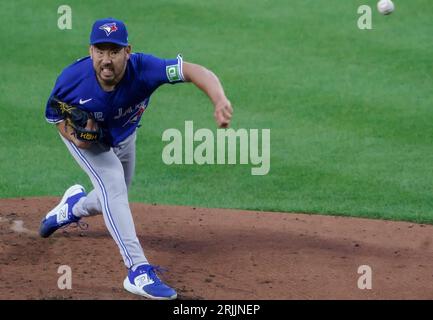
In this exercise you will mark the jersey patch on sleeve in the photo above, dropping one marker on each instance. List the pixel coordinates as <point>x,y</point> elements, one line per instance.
<point>173,73</point>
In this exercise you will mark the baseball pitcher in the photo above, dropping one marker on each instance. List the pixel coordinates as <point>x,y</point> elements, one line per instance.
<point>97,104</point>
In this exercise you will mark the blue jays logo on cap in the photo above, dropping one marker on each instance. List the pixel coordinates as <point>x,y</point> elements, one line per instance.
<point>109,28</point>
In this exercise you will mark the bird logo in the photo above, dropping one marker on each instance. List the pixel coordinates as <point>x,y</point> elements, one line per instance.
<point>109,28</point>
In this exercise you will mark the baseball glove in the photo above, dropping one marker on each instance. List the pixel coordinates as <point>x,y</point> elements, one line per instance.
<point>77,119</point>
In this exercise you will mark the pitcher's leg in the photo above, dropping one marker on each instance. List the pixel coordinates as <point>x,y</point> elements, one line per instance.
<point>125,151</point>
<point>90,205</point>
<point>107,176</point>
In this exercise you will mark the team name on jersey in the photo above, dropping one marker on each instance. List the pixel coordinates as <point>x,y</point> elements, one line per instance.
<point>121,113</point>
<point>134,112</point>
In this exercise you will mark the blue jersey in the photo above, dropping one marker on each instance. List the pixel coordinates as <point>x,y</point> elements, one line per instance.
<point>119,111</point>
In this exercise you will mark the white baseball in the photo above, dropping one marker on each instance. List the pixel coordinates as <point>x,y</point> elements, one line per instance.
<point>385,6</point>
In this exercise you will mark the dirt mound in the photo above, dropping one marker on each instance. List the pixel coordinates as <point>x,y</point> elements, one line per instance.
<point>218,254</point>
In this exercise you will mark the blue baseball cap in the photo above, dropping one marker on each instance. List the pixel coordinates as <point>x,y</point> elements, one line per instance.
<point>109,30</point>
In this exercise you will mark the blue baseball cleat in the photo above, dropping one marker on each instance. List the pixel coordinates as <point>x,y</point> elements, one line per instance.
<point>144,282</point>
<point>62,215</point>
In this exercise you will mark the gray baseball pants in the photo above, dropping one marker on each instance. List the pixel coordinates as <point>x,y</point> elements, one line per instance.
<point>111,171</point>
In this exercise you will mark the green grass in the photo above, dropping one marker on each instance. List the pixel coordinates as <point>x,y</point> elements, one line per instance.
<point>350,111</point>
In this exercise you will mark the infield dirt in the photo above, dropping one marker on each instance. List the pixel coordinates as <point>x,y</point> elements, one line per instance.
<point>218,254</point>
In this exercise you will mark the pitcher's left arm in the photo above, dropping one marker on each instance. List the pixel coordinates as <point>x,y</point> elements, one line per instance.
<point>209,83</point>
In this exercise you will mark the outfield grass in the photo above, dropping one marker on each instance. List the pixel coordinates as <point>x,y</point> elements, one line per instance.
<point>350,111</point>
